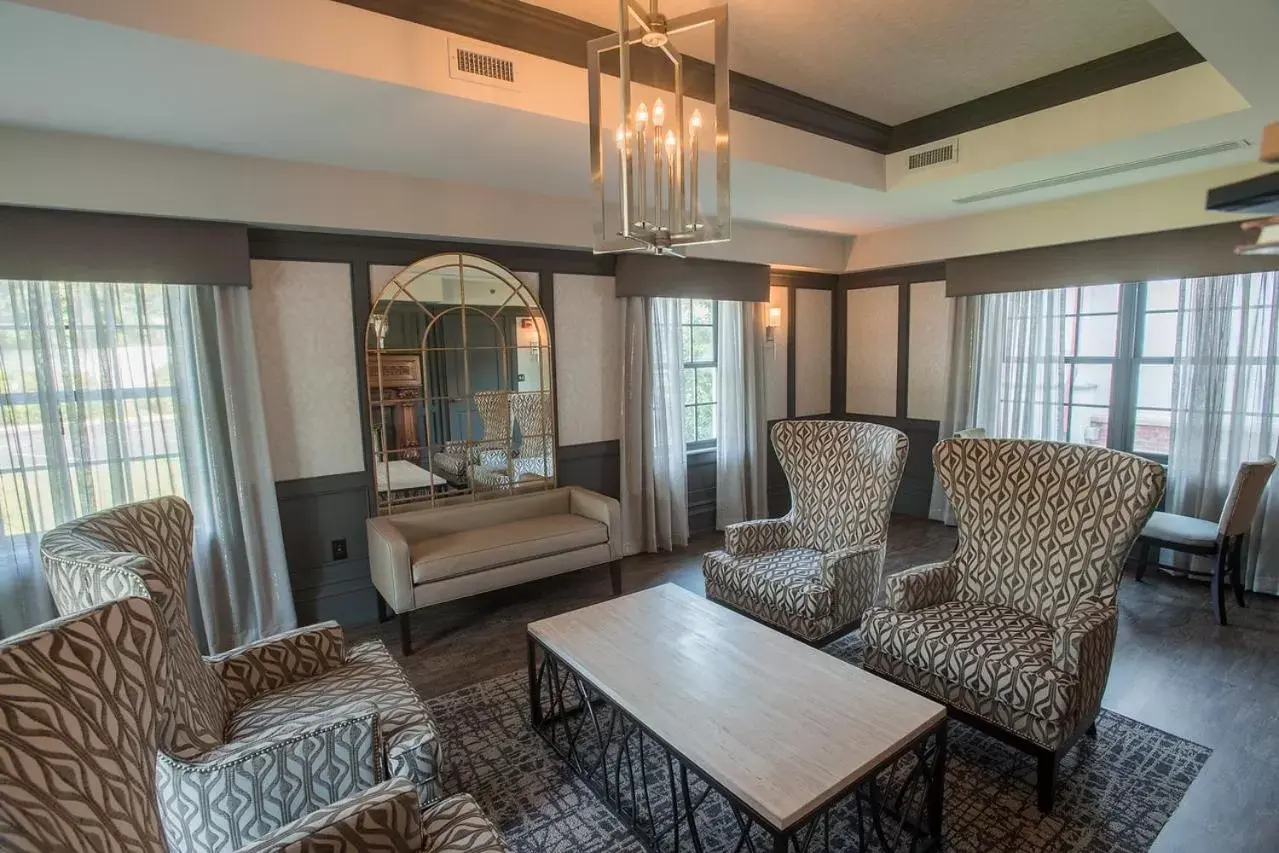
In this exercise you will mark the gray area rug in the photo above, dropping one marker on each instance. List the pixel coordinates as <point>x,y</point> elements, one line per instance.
<point>1114,794</point>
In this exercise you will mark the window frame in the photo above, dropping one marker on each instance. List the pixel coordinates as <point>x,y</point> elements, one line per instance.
<point>712,365</point>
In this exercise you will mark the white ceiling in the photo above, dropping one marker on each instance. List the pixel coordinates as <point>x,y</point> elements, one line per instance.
<point>894,60</point>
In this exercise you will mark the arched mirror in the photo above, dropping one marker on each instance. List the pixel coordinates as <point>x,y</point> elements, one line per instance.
<point>461,404</point>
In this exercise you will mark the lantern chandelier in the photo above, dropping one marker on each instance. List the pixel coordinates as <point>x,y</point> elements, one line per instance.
<point>657,182</point>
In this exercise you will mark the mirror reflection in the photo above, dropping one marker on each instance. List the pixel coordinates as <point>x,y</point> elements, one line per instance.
<point>459,375</point>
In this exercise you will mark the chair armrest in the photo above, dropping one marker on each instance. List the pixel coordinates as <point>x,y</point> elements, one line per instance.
<point>299,767</point>
<point>922,586</point>
<point>389,564</point>
<point>603,509</point>
<point>457,824</point>
<point>853,574</point>
<point>278,661</point>
<point>1084,640</point>
<point>756,537</point>
<point>386,817</point>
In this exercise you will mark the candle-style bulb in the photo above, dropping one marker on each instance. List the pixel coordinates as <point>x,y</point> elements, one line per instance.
<point>641,114</point>
<point>621,139</point>
<point>695,123</point>
<point>671,142</point>
<point>659,113</point>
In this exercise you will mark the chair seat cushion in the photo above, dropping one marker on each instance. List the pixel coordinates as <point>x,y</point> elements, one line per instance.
<point>369,677</point>
<point>440,557</point>
<point>992,651</point>
<point>1181,529</point>
<point>783,588</point>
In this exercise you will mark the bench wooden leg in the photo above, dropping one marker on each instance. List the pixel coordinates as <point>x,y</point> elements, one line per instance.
<point>615,574</point>
<point>406,635</point>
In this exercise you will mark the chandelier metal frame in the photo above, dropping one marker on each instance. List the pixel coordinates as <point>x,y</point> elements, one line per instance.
<point>659,206</point>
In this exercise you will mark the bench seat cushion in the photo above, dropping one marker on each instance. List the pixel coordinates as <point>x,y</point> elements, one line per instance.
<point>455,554</point>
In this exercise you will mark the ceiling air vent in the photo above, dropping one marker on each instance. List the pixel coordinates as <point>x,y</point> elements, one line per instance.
<point>1107,171</point>
<point>933,155</point>
<point>480,65</point>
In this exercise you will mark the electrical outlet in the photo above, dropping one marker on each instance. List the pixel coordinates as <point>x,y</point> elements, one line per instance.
<point>339,549</point>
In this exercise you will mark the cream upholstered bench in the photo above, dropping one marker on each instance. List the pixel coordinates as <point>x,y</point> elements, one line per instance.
<point>441,554</point>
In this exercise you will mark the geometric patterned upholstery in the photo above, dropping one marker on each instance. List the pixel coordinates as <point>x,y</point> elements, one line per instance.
<point>1018,626</point>
<point>80,703</point>
<point>78,732</point>
<point>258,737</point>
<point>814,571</point>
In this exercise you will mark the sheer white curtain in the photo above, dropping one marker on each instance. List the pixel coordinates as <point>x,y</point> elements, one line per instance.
<point>740,421</point>
<point>654,477</point>
<point>1225,405</point>
<point>1007,369</point>
<point>119,392</point>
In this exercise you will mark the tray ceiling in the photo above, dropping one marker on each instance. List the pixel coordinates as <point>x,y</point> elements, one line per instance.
<point>896,61</point>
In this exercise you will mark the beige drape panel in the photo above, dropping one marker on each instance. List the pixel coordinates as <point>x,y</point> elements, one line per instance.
<point>741,455</point>
<point>1183,253</point>
<point>654,478</point>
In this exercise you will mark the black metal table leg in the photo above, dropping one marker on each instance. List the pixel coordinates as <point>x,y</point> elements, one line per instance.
<point>937,789</point>
<point>534,688</point>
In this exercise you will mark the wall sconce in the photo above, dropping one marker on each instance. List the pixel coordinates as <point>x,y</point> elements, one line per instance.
<point>774,320</point>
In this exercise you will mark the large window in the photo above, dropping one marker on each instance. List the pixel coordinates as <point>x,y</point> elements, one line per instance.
<point>699,339</point>
<point>1102,370</point>
<point>87,410</point>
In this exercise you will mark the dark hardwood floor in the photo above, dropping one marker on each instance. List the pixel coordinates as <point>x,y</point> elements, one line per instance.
<point>1174,669</point>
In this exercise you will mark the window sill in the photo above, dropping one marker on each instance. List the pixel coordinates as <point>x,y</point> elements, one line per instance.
<point>700,454</point>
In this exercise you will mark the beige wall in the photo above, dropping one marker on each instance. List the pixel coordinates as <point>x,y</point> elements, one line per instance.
<point>812,351</point>
<point>871,380</point>
<point>929,349</point>
<point>873,346</point>
<point>588,359</point>
<point>306,357</point>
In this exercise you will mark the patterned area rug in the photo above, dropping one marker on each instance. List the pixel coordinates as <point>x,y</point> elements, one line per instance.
<point>1114,794</point>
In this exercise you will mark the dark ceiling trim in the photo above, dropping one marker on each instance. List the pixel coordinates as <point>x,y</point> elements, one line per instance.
<point>894,276</point>
<point>1161,56</point>
<point>551,35</point>
<point>803,279</point>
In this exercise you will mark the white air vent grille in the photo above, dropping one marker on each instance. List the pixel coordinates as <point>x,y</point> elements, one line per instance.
<point>1107,171</point>
<point>485,66</point>
<point>934,155</point>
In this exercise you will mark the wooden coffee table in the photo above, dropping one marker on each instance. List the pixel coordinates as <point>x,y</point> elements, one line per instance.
<point>670,706</point>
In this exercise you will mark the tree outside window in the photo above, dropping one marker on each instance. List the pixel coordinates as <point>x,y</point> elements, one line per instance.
<point>699,339</point>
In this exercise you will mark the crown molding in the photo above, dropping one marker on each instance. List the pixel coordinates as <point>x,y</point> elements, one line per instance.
<point>1151,59</point>
<point>561,38</point>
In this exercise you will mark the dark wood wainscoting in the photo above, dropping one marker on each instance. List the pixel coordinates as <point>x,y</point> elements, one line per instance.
<point>315,513</point>
<point>701,492</point>
<point>596,466</point>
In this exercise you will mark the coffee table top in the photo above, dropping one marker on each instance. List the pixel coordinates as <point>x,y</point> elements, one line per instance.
<point>782,726</point>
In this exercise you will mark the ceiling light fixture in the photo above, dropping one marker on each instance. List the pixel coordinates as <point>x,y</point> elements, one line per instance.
<point>653,189</point>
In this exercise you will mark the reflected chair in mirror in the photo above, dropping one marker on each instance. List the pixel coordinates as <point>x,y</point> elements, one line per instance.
<point>1225,539</point>
<point>1015,631</point>
<point>457,459</point>
<point>273,716</point>
<point>531,412</point>
<point>971,432</point>
<point>812,573</point>
<point>81,721</point>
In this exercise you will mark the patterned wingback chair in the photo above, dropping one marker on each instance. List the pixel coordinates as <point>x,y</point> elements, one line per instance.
<point>272,716</point>
<point>815,571</point>
<point>81,698</point>
<point>1016,630</point>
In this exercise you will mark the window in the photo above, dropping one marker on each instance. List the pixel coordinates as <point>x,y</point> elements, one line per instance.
<point>699,337</point>
<point>1101,369</point>
<point>87,408</point>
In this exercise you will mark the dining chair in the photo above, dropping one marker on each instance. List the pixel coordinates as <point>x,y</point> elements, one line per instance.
<point>1223,539</point>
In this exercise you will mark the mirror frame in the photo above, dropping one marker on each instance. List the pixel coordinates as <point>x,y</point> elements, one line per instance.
<point>406,371</point>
